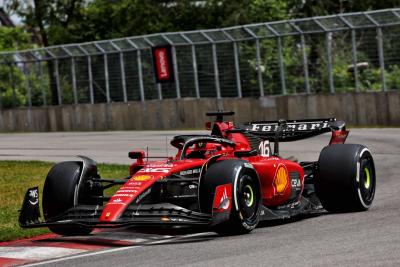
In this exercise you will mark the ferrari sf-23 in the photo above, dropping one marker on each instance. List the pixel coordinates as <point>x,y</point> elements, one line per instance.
<point>226,181</point>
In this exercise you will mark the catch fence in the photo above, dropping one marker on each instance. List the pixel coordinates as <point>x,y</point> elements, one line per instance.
<point>338,53</point>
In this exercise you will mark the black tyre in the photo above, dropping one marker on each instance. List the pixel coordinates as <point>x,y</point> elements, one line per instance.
<point>246,194</point>
<point>346,178</point>
<point>60,193</point>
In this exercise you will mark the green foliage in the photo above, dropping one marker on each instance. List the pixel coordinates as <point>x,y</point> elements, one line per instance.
<point>393,77</point>
<point>14,39</point>
<point>12,75</point>
<point>309,8</point>
<point>74,21</point>
<point>7,96</point>
<point>61,22</point>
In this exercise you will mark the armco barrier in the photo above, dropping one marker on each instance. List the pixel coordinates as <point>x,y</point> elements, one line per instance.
<point>371,108</point>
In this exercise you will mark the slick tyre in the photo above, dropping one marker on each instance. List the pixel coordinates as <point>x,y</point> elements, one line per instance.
<point>346,178</point>
<point>59,195</point>
<point>246,195</point>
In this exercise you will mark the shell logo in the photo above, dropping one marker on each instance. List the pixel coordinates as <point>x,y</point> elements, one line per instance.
<point>142,177</point>
<point>281,179</point>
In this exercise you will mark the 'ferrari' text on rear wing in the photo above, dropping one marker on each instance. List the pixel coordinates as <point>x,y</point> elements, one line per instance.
<point>292,130</point>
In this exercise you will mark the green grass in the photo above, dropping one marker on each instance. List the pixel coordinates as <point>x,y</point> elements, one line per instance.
<point>16,177</point>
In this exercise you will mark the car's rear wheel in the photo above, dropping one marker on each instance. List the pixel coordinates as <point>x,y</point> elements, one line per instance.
<point>346,178</point>
<point>60,193</point>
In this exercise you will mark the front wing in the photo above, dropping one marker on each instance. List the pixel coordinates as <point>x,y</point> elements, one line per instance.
<point>148,214</point>
<point>88,215</point>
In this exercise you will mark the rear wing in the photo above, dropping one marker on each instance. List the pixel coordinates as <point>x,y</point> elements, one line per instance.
<point>292,130</point>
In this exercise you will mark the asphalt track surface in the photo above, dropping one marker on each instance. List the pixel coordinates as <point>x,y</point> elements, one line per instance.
<point>369,238</point>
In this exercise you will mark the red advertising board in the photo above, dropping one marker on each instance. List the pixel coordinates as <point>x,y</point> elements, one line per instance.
<point>163,67</point>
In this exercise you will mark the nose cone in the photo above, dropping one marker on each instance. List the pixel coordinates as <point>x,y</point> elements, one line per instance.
<point>133,189</point>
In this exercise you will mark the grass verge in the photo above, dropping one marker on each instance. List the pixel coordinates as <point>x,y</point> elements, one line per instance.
<point>16,177</point>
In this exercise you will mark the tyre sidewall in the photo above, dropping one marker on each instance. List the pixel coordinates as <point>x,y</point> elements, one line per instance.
<point>224,172</point>
<point>60,193</point>
<point>364,157</point>
<point>60,188</point>
<point>248,224</point>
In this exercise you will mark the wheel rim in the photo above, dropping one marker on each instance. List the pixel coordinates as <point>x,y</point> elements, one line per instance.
<point>248,195</point>
<point>248,198</point>
<point>367,180</point>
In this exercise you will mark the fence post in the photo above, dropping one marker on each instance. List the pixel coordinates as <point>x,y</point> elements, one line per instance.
<point>195,74</point>
<point>159,91</point>
<point>237,69</point>
<point>106,78</point>
<point>259,70</point>
<point>158,85</point>
<point>304,56</point>
<point>73,73</point>
<point>58,82</point>
<point>236,59</point>
<point>42,83</point>
<point>106,75</point>
<point>122,66</point>
<point>281,66</point>
<point>140,73</point>
<point>379,36</point>
<point>216,71</point>
<point>175,65</point>
<point>90,74</point>
<point>280,58</point>
<point>11,77</point>
<point>29,94</point>
<point>328,47</point>
<point>305,64</point>
<point>258,60</point>
<point>354,53</point>
<point>139,66</point>
<point>328,40</point>
<point>28,85</point>
<point>122,63</point>
<point>194,63</point>
<point>215,64</point>
<point>381,58</point>
<point>176,72</point>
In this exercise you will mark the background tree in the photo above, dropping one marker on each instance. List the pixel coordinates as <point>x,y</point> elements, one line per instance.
<point>12,79</point>
<point>70,21</point>
<point>54,22</point>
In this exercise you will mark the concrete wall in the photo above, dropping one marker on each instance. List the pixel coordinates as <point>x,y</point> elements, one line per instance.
<point>377,108</point>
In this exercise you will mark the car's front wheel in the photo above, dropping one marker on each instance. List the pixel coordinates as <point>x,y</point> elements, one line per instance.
<point>60,193</point>
<point>247,205</point>
<point>246,195</point>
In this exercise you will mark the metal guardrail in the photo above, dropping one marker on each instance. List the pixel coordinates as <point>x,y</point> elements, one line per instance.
<point>283,57</point>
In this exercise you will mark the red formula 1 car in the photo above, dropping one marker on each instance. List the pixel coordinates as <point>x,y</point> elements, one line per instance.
<point>228,180</point>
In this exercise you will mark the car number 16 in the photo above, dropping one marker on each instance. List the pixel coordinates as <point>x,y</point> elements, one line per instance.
<point>264,148</point>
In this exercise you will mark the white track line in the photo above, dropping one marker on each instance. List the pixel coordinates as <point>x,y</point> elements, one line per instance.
<point>37,253</point>
<point>114,250</point>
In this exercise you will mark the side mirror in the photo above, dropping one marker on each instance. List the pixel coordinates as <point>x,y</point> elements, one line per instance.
<point>137,154</point>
